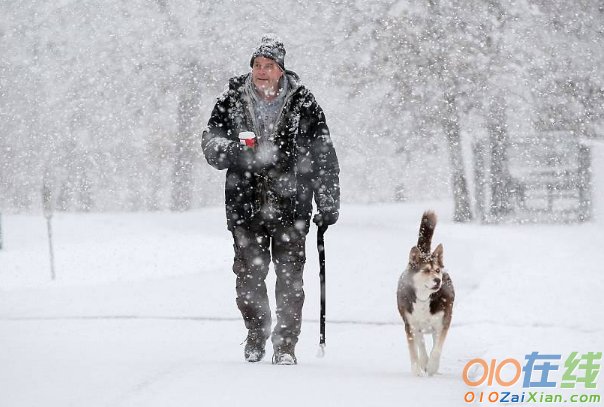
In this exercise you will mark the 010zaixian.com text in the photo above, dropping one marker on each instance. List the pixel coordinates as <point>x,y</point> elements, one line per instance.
<point>580,371</point>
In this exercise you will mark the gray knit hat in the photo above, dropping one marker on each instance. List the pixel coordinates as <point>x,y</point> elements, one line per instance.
<point>270,47</point>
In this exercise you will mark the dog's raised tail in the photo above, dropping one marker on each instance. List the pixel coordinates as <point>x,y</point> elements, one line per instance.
<point>426,230</point>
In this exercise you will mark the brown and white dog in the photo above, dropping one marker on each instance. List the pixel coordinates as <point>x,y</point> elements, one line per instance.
<point>425,300</point>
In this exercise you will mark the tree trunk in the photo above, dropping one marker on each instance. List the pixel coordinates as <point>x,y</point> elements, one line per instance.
<point>500,176</point>
<point>479,180</point>
<point>462,211</point>
<point>182,176</point>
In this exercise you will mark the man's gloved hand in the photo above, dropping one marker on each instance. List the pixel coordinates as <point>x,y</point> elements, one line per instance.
<point>245,158</point>
<point>325,219</point>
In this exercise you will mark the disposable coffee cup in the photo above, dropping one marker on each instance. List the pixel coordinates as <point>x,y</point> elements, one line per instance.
<point>247,138</point>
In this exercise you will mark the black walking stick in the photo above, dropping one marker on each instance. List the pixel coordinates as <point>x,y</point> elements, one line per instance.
<point>321,249</point>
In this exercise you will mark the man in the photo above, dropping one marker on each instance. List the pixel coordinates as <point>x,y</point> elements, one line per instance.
<point>269,190</point>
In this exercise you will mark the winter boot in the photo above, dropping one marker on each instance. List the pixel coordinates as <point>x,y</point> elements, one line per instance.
<point>254,346</point>
<point>284,355</point>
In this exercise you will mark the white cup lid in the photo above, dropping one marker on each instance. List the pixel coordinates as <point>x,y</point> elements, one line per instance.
<point>247,135</point>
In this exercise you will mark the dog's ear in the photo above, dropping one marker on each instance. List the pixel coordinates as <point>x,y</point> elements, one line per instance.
<point>438,255</point>
<point>414,256</point>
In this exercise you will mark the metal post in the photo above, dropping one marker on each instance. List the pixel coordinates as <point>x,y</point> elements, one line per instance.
<point>47,202</point>
<point>51,251</point>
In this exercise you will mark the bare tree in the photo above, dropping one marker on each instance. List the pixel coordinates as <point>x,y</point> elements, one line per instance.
<point>186,141</point>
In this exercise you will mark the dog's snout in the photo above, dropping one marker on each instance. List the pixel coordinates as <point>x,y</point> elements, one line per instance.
<point>437,281</point>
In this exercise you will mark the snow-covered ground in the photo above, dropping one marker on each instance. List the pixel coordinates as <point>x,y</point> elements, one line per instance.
<point>143,313</point>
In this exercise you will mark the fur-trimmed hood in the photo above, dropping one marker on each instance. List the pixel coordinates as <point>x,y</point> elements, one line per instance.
<point>238,83</point>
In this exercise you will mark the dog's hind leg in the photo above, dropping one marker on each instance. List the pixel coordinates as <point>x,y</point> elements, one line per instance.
<point>434,361</point>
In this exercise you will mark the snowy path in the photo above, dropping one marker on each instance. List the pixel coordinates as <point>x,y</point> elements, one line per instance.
<point>143,312</point>
<point>190,362</point>
<point>150,362</point>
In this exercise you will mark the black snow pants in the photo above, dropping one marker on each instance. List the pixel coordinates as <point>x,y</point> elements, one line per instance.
<point>254,245</point>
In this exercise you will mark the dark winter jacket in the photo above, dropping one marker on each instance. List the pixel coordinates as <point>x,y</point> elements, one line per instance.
<point>295,163</point>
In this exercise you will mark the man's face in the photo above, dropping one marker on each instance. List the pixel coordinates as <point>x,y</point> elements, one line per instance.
<point>265,75</point>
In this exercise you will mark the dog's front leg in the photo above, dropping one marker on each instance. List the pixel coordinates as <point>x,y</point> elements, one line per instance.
<point>423,354</point>
<point>434,361</point>
<point>416,368</point>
